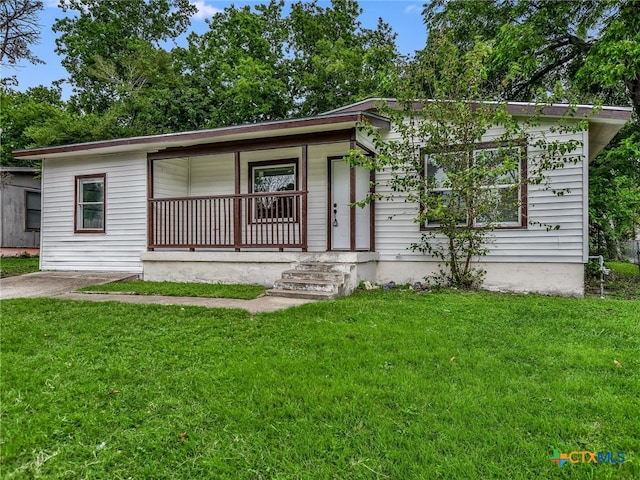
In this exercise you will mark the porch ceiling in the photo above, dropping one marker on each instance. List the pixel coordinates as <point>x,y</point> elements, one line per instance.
<point>150,144</point>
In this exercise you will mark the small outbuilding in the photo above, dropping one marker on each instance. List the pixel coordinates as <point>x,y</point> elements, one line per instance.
<point>20,204</point>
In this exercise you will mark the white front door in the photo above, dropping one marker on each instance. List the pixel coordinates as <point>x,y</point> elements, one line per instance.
<point>344,191</point>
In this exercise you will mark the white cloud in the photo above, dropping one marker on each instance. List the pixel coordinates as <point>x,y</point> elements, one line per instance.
<point>412,8</point>
<point>204,10</point>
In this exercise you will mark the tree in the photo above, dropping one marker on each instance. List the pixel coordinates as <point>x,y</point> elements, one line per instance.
<point>236,69</point>
<point>110,32</point>
<point>536,44</point>
<point>21,110</point>
<point>614,186</point>
<point>39,117</point>
<point>257,64</point>
<point>144,88</point>
<point>19,29</point>
<point>439,160</point>
<point>334,60</point>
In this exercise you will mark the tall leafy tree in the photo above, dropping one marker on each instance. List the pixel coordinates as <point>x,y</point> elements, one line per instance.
<point>111,32</point>
<point>39,117</point>
<point>19,29</point>
<point>21,110</point>
<point>258,64</point>
<point>334,59</point>
<point>590,45</point>
<point>236,72</point>
<point>614,189</point>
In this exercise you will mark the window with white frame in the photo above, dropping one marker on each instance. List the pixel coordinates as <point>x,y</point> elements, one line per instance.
<point>499,183</point>
<point>90,204</point>
<point>274,177</point>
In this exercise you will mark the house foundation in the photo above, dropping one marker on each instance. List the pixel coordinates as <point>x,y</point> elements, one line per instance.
<point>566,279</point>
<point>257,268</point>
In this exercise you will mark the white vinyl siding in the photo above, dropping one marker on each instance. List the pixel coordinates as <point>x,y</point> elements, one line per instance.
<point>212,175</point>
<point>170,178</point>
<point>531,244</point>
<point>119,248</point>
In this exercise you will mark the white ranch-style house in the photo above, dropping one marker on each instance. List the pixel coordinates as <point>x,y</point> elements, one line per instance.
<point>271,202</point>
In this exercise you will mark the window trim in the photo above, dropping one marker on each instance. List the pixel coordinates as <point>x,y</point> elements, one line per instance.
<point>523,210</point>
<point>76,203</point>
<point>253,218</point>
<point>26,210</point>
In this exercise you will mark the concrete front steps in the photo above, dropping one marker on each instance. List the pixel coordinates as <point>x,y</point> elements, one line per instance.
<point>314,280</point>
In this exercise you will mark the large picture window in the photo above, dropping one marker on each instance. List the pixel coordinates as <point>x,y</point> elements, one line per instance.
<point>500,173</point>
<point>274,177</point>
<point>90,204</point>
<point>32,202</point>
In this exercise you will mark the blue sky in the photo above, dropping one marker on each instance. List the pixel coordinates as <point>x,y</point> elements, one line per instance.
<point>404,16</point>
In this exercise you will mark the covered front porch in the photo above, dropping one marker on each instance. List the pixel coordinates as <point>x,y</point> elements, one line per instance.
<point>292,193</point>
<point>263,209</point>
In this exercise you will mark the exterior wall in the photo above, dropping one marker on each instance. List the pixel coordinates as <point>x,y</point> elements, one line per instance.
<point>546,278</point>
<point>171,178</point>
<point>119,248</point>
<point>530,244</point>
<point>13,231</point>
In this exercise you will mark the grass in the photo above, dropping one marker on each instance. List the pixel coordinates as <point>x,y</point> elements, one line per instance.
<point>12,266</point>
<point>623,281</point>
<point>175,289</point>
<point>378,385</point>
<point>628,270</point>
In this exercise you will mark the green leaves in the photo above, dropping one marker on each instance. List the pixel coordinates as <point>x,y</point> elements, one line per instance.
<point>586,45</point>
<point>113,31</point>
<point>333,60</point>
<point>239,62</point>
<point>614,184</point>
<point>21,111</point>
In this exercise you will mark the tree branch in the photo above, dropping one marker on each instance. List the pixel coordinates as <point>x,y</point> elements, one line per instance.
<point>535,78</point>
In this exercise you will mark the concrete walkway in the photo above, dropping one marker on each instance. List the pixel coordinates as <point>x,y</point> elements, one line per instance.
<point>63,285</point>
<point>257,305</point>
<point>49,284</point>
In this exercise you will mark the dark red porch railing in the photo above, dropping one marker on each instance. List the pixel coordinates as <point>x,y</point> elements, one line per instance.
<point>254,220</point>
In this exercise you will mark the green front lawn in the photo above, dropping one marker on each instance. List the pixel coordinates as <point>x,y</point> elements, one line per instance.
<point>12,266</point>
<point>379,385</point>
<point>176,289</point>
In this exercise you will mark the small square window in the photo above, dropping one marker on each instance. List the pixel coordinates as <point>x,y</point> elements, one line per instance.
<point>274,177</point>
